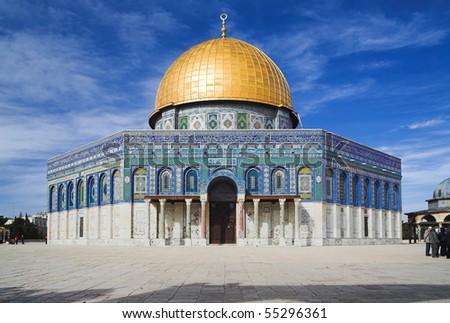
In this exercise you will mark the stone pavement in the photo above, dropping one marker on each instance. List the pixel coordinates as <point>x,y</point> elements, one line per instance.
<point>36,272</point>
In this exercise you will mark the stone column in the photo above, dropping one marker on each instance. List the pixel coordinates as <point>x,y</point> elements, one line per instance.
<point>256,214</point>
<point>203,200</point>
<point>49,226</point>
<point>389,228</point>
<point>349,217</point>
<point>381,224</point>
<point>99,223</point>
<point>147,207</point>
<point>297,222</point>
<point>240,220</point>
<point>187,240</point>
<point>281,236</point>
<point>370,223</point>
<point>58,220</point>
<point>67,225</point>
<point>111,221</point>
<point>162,221</point>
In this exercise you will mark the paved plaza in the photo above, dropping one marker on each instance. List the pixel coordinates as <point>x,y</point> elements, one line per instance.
<point>36,272</point>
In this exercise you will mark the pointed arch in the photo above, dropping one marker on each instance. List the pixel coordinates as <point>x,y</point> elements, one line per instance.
<point>70,196</point>
<point>305,180</point>
<point>355,190</point>
<point>191,181</point>
<point>365,192</point>
<point>103,189</point>
<point>52,205</point>
<point>92,192</point>
<point>329,184</point>
<point>81,194</point>
<point>252,181</point>
<point>279,181</point>
<point>116,186</point>
<point>165,181</point>
<point>343,191</point>
<point>140,182</point>
<point>377,194</point>
<point>61,197</point>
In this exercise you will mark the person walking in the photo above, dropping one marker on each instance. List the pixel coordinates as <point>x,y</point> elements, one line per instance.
<point>22,239</point>
<point>443,237</point>
<point>434,241</point>
<point>426,238</point>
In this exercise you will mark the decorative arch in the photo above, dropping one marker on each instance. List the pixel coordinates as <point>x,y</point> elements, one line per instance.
<point>428,218</point>
<point>386,196</point>
<point>70,196</point>
<point>365,192</point>
<point>223,172</point>
<point>447,218</point>
<point>140,182</point>
<point>165,181</point>
<point>92,192</point>
<point>116,186</point>
<point>103,189</point>
<point>191,181</point>
<point>377,190</point>
<point>395,198</point>
<point>355,190</point>
<point>52,205</point>
<point>305,180</point>
<point>252,180</point>
<point>61,197</point>
<point>279,181</point>
<point>81,194</point>
<point>329,187</point>
<point>343,190</point>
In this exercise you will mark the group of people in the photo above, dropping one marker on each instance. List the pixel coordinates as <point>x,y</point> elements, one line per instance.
<point>437,241</point>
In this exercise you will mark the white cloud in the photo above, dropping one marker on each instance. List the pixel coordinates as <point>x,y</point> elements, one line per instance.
<point>426,124</point>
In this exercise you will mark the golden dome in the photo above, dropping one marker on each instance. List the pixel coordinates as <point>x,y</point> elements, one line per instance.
<point>223,69</point>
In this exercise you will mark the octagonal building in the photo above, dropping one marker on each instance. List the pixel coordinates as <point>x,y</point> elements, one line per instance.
<point>226,161</point>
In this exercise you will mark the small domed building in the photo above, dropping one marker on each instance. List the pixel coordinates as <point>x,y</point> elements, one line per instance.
<point>226,161</point>
<point>438,212</point>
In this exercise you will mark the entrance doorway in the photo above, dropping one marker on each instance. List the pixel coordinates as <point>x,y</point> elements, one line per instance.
<point>222,195</point>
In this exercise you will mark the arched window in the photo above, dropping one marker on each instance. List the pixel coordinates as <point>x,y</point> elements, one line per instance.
<point>61,197</point>
<point>365,192</point>
<point>91,192</point>
<point>355,190</point>
<point>342,187</point>
<point>395,196</point>
<point>165,181</point>
<point>278,181</point>
<point>81,194</point>
<point>191,181</point>
<point>252,181</point>
<point>70,195</point>
<point>140,181</point>
<point>53,199</point>
<point>329,184</point>
<point>377,194</point>
<point>103,187</point>
<point>116,186</point>
<point>385,195</point>
<point>305,180</point>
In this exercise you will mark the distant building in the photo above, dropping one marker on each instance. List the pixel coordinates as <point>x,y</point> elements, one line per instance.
<point>40,220</point>
<point>438,212</point>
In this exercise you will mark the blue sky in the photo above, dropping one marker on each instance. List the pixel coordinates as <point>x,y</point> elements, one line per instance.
<point>377,72</point>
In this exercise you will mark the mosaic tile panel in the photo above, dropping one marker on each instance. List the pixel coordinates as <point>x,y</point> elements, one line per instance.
<point>213,121</point>
<point>183,122</point>
<point>242,121</point>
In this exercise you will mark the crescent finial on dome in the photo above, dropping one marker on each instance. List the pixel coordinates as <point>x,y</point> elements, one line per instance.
<point>224,17</point>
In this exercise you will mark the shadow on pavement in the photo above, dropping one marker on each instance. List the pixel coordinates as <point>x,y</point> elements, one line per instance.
<point>233,293</point>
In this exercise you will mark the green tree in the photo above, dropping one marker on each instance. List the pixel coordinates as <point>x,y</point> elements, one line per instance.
<point>23,226</point>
